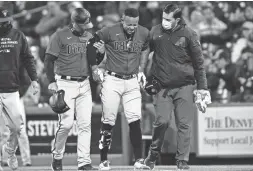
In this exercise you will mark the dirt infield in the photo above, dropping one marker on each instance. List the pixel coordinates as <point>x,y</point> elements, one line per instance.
<point>158,168</point>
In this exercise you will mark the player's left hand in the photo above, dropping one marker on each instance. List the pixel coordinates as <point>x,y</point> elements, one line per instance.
<point>141,79</point>
<point>202,98</point>
<point>35,86</point>
<point>100,46</point>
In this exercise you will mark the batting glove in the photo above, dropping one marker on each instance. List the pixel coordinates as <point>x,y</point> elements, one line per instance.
<point>53,87</point>
<point>98,75</point>
<point>141,79</point>
<point>202,98</point>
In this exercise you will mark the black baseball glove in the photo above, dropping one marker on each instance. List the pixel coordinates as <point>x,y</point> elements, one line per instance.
<point>57,102</point>
<point>153,86</point>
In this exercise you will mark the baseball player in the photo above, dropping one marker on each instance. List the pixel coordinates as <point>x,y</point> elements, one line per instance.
<point>67,69</point>
<point>127,49</point>
<point>177,65</point>
<point>13,49</point>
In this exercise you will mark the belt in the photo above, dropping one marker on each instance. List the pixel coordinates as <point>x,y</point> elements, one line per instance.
<point>124,77</point>
<point>71,78</point>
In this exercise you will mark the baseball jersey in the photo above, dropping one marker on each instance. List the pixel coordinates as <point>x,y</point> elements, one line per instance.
<point>70,51</point>
<point>121,58</point>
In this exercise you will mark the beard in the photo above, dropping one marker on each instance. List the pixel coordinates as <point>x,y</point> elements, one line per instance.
<point>5,29</point>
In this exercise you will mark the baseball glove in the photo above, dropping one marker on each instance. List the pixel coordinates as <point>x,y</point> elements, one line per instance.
<point>57,102</point>
<point>153,86</point>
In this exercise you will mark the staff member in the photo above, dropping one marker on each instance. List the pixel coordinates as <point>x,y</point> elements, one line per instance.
<point>177,67</point>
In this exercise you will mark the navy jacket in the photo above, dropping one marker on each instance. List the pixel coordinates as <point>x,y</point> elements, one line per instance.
<point>14,50</point>
<point>178,58</point>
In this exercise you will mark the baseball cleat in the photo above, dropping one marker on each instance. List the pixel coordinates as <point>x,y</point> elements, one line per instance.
<point>12,159</point>
<point>149,165</point>
<point>86,167</point>
<point>12,162</point>
<point>139,164</point>
<point>182,165</point>
<point>56,165</point>
<point>104,165</point>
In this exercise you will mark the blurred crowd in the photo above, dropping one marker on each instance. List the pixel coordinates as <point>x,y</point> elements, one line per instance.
<point>225,30</point>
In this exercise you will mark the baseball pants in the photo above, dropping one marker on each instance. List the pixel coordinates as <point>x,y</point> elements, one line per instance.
<point>10,107</point>
<point>113,91</point>
<point>78,98</point>
<point>181,101</point>
<point>23,140</point>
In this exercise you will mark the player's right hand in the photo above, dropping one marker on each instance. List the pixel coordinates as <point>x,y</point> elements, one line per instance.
<point>53,87</point>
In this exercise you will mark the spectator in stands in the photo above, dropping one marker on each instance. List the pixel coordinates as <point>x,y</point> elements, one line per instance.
<point>195,19</point>
<point>242,42</point>
<point>150,14</point>
<point>53,20</point>
<point>248,14</point>
<point>246,71</point>
<point>211,28</point>
<point>110,16</point>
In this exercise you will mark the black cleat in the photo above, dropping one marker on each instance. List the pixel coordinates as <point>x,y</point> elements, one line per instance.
<point>150,165</point>
<point>182,165</point>
<point>86,167</point>
<point>56,165</point>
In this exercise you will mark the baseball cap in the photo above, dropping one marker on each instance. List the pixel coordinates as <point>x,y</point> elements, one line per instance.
<point>4,15</point>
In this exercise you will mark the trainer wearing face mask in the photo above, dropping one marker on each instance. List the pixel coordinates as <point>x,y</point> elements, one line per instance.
<point>177,70</point>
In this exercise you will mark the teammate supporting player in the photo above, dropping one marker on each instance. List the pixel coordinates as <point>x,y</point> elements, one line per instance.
<point>127,49</point>
<point>13,49</point>
<point>67,53</point>
<point>177,65</point>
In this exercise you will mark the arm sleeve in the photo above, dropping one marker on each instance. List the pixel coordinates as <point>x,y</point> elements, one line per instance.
<point>28,59</point>
<point>54,46</point>
<point>94,58</point>
<point>49,67</point>
<point>197,61</point>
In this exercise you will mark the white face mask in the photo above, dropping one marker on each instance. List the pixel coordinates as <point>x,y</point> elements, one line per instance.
<point>166,24</point>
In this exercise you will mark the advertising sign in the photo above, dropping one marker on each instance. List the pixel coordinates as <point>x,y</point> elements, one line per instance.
<point>225,131</point>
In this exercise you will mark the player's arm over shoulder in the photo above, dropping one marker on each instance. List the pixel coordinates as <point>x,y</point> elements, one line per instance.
<point>104,33</point>
<point>94,58</point>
